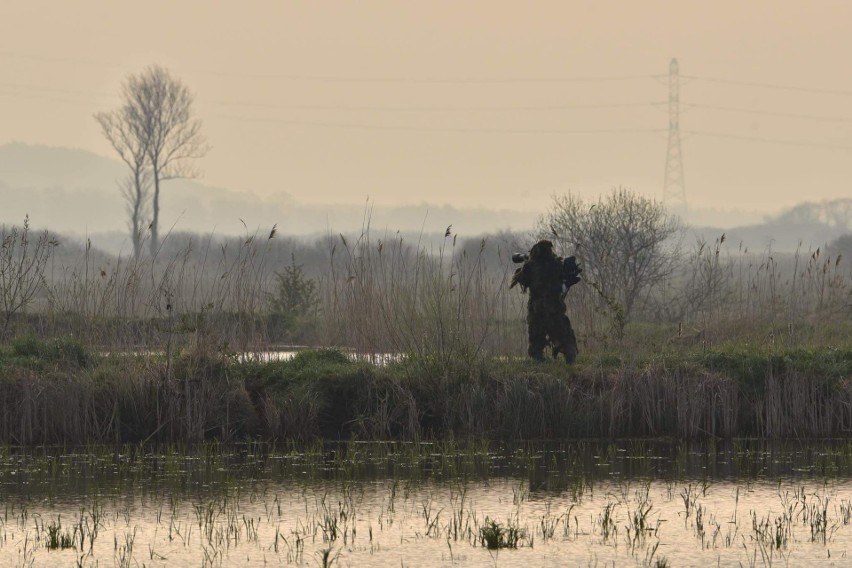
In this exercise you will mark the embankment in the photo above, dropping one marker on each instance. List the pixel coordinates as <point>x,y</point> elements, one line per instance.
<point>58,392</point>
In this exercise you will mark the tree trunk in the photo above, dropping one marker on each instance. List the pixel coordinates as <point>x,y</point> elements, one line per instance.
<point>155,212</point>
<point>135,221</point>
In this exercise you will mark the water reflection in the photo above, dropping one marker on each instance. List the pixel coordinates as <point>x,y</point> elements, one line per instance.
<point>288,354</point>
<point>630,502</point>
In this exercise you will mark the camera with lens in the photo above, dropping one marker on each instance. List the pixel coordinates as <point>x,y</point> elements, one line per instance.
<point>570,269</point>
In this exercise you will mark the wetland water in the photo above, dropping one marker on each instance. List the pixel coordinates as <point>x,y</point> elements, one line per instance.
<point>622,503</point>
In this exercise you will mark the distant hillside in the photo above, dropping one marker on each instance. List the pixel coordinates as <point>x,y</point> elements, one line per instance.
<point>75,191</point>
<point>788,237</point>
<point>808,224</point>
<point>777,236</point>
<point>23,165</point>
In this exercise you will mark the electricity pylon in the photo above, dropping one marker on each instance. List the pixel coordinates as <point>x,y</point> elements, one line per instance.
<point>674,190</point>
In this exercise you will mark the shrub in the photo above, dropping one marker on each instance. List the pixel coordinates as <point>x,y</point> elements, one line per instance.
<point>620,241</point>
<point>293,302</point>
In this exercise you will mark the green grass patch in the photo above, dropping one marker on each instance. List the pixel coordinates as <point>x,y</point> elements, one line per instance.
<point>41,354</point>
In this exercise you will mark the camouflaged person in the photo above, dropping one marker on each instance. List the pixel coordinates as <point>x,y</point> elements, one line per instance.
<point>547,277</point>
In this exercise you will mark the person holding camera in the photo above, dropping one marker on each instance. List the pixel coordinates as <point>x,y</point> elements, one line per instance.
<point>547,277</point>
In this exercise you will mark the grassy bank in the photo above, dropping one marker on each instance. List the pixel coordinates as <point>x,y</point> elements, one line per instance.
<point>57,391</point>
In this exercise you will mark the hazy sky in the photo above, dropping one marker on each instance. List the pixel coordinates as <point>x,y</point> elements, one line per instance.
<point>464,103</point>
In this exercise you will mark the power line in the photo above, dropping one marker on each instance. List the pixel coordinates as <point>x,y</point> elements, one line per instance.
<point>425,80</point>
<point>768,85</point>
<point>363,126</point>
<point>769,113</point>
<point>50,93</point>
<point>433,80</point>
<point>51,59</point>
<point>18,86</point>
<point>377,108</point>
<point>349,79</point>
<point>768,140</point>
<point>436,108</point>
<point>50,97</point>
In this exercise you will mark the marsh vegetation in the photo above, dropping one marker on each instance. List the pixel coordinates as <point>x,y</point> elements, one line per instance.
<point>643,503</point>
<point>164,348</point>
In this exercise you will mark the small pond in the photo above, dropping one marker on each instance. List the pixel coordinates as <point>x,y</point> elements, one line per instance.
<point>588,503</point>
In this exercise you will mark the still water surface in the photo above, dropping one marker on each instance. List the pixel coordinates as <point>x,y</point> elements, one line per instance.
<point>625,503</point>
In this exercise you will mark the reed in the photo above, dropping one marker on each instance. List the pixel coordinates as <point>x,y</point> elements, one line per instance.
<point>442,299</point>
<point>165,348</point>
<point>58,392</point>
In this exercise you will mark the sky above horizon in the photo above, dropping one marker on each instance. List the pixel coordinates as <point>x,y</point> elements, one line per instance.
<point>470,104</point>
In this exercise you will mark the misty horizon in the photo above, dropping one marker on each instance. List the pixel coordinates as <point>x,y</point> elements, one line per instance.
<point>417,117</point>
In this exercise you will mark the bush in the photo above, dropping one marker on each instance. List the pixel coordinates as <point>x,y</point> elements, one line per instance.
<point>22,264</point>
<point>293,303</point>
<point>620,241</point>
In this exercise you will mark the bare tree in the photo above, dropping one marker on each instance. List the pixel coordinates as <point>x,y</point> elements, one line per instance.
<point>136,189</point>
<point>157,113</point>
<point>22,265</point>
<point>620,241</point>
<point>120,130</point>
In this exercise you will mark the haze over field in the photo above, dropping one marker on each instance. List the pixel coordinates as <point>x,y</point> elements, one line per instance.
<point>434,113</point>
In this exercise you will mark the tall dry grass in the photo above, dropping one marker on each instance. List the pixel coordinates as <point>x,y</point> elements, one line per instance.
<point>731,293</point>
<point>442,300</point>
<point>384,295</point>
